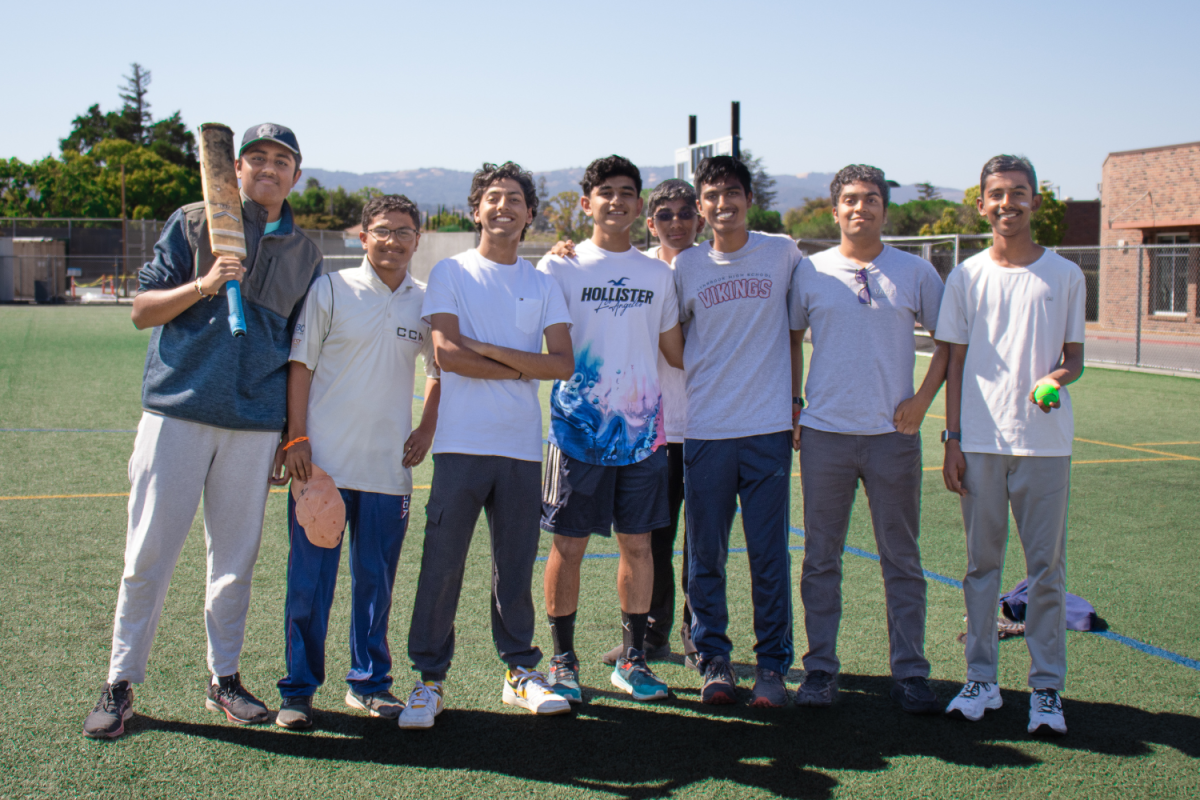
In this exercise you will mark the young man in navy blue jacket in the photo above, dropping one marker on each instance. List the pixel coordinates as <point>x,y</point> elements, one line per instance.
<point>213,410</point>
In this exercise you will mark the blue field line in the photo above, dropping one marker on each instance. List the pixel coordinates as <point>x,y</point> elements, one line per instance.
<point>1150,649</point>
<point>68,430</point>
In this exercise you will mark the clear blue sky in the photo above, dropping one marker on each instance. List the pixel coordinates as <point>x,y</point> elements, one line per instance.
<point>926,90</point>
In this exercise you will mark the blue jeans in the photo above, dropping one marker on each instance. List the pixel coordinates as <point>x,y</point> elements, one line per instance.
<point>717,472</point>
<point>376,526</point>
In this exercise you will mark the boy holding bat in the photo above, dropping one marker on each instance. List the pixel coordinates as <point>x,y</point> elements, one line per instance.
<point>350,390</point>
<point>1014,318</point>
<point>213,410</point>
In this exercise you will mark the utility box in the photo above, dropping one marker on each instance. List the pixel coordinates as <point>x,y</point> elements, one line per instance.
<point>39,259</point>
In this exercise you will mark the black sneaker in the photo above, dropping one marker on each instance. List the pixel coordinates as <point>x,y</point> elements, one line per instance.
<point>238,704</point>
<point>660,652</point>
<point>720,686</point>
<point>819,690</point>
<point>107,720</point>
<point>915,696</point>
<point>295,713</point>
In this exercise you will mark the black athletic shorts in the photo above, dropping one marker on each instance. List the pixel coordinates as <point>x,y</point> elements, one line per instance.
<point>579,499</point>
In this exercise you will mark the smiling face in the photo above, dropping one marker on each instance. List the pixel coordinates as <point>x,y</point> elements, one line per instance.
<point>724,205</point>
<point>678,232</point>
<point>267,172</point>
<point>614,205</point>
<point>394,252</point>
<point>860,211</point>
<point>1008,202</point>
<point>503,213</point>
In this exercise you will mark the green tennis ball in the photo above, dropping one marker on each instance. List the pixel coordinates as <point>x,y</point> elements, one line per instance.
<point>1045,394</point>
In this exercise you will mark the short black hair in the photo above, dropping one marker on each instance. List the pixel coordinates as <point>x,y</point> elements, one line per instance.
<point>388,203</point>
<point>602,169</point>
<point>488,174</point>
<point>717,169</point>
<point>668,190</point>
<point>1003,163</point>
<point>859,173</point>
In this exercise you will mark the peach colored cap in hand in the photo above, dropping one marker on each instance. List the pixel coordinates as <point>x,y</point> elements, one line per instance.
<point>319,508</point>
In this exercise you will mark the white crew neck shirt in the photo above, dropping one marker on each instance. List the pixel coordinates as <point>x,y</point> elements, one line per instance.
<point>361,340</point>
<point>610,412</point>
<point>672,383</point>
<point>1014,321</point>
<point>509,305</point>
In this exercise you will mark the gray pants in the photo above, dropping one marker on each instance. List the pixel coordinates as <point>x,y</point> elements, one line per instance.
<point>889,465</point>
<point>1038,489</point>
<point>509,491</point>
<point>173,461</point>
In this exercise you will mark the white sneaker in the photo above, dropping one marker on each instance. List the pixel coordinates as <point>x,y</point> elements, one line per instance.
<point>1046,713</point>
<point>975,698</point>
<point>424,704</point>
<point>527,688</point>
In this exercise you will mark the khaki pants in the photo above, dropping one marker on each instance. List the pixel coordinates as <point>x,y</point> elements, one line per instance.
<point>173,461</point>
<point>1037,488</point>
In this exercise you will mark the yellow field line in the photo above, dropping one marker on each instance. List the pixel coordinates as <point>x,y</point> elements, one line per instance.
<point>1140,449</point>
<point>1161,444</point>
<point>107,494</point>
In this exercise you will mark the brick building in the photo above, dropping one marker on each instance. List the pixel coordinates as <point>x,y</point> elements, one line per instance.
<point>1151,197</point>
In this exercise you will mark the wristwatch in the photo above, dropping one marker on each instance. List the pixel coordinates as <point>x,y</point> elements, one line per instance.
<point>948,435</point>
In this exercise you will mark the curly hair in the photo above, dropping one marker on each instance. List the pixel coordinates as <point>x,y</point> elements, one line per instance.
<point>859,173</point>
<point>388,203</point>
<point>602,169</point>
<point>488,174</point>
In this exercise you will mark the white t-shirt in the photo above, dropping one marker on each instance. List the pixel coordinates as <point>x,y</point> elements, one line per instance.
<point>509,305</point>
<point>863,353</point>
<point>609,413</point>
<point>361,340</point>
<point>1014,321</point>
<point>672,383</point>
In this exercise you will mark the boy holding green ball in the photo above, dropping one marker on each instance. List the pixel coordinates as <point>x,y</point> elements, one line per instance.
<point>1014,319</point>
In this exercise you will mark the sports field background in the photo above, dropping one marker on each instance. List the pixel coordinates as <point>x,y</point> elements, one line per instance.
<point>1134,717</point>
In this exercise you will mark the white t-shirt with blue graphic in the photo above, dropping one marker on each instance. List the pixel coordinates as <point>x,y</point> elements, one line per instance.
<point>610,412</point>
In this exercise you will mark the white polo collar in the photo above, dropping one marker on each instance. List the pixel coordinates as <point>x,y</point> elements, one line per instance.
<point>373,280</point>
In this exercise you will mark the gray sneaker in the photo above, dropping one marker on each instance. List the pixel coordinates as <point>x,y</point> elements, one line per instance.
<point>295,713</point>
<point>819,689</point>
<point>115,707</point>
<point>769,691</point>
<point>378,704</point>
<point>235,700</point>
<point>915,696</point>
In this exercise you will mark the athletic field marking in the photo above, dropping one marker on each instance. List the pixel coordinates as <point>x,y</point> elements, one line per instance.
<point>68,430</point>
<point>1140,449</point>
<point>1161,444</point>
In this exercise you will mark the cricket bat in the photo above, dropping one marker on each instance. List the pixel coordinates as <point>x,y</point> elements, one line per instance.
<point>223,207</point>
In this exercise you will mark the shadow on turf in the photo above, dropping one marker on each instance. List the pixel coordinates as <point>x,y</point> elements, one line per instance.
<point>638,752</point>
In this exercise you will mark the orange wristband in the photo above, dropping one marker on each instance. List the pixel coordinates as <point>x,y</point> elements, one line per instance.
<point>297,440</point>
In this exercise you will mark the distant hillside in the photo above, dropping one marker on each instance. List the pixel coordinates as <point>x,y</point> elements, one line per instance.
<point>434,187</point>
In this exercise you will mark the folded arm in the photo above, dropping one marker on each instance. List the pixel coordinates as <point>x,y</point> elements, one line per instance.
<point>558,363</point>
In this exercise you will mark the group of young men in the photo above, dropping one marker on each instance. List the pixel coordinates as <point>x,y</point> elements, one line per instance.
<point>672,375</point>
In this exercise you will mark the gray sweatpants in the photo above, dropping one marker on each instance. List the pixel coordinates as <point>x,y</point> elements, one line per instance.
<point>508,490</point>
<point>1038,488</point>
<point>889,465</point>
<point>173,461</point>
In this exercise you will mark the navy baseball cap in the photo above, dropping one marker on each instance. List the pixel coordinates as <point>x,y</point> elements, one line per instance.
<point>270,132</point>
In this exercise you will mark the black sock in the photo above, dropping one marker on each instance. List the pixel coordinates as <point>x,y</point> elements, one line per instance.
<point>633,630</point>
<point>562,633</point>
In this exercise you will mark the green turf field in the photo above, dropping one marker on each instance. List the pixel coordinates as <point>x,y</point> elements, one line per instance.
<point>1134,717</point>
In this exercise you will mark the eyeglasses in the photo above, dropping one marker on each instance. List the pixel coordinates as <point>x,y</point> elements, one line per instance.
<point>401,234</point>
<point>684,215</point>
<point>864,294</point>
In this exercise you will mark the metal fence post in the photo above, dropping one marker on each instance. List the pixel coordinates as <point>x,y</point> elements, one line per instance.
<point>1137,358</point>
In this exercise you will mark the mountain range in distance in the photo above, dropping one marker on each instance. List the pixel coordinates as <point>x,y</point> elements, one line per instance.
<point>433,187</point>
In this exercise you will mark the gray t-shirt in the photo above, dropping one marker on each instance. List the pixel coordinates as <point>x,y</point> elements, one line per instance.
<point>863,353</point>
<point>737,354</point>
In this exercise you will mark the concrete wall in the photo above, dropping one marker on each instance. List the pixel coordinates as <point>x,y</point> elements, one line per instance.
<point>432,249</point>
